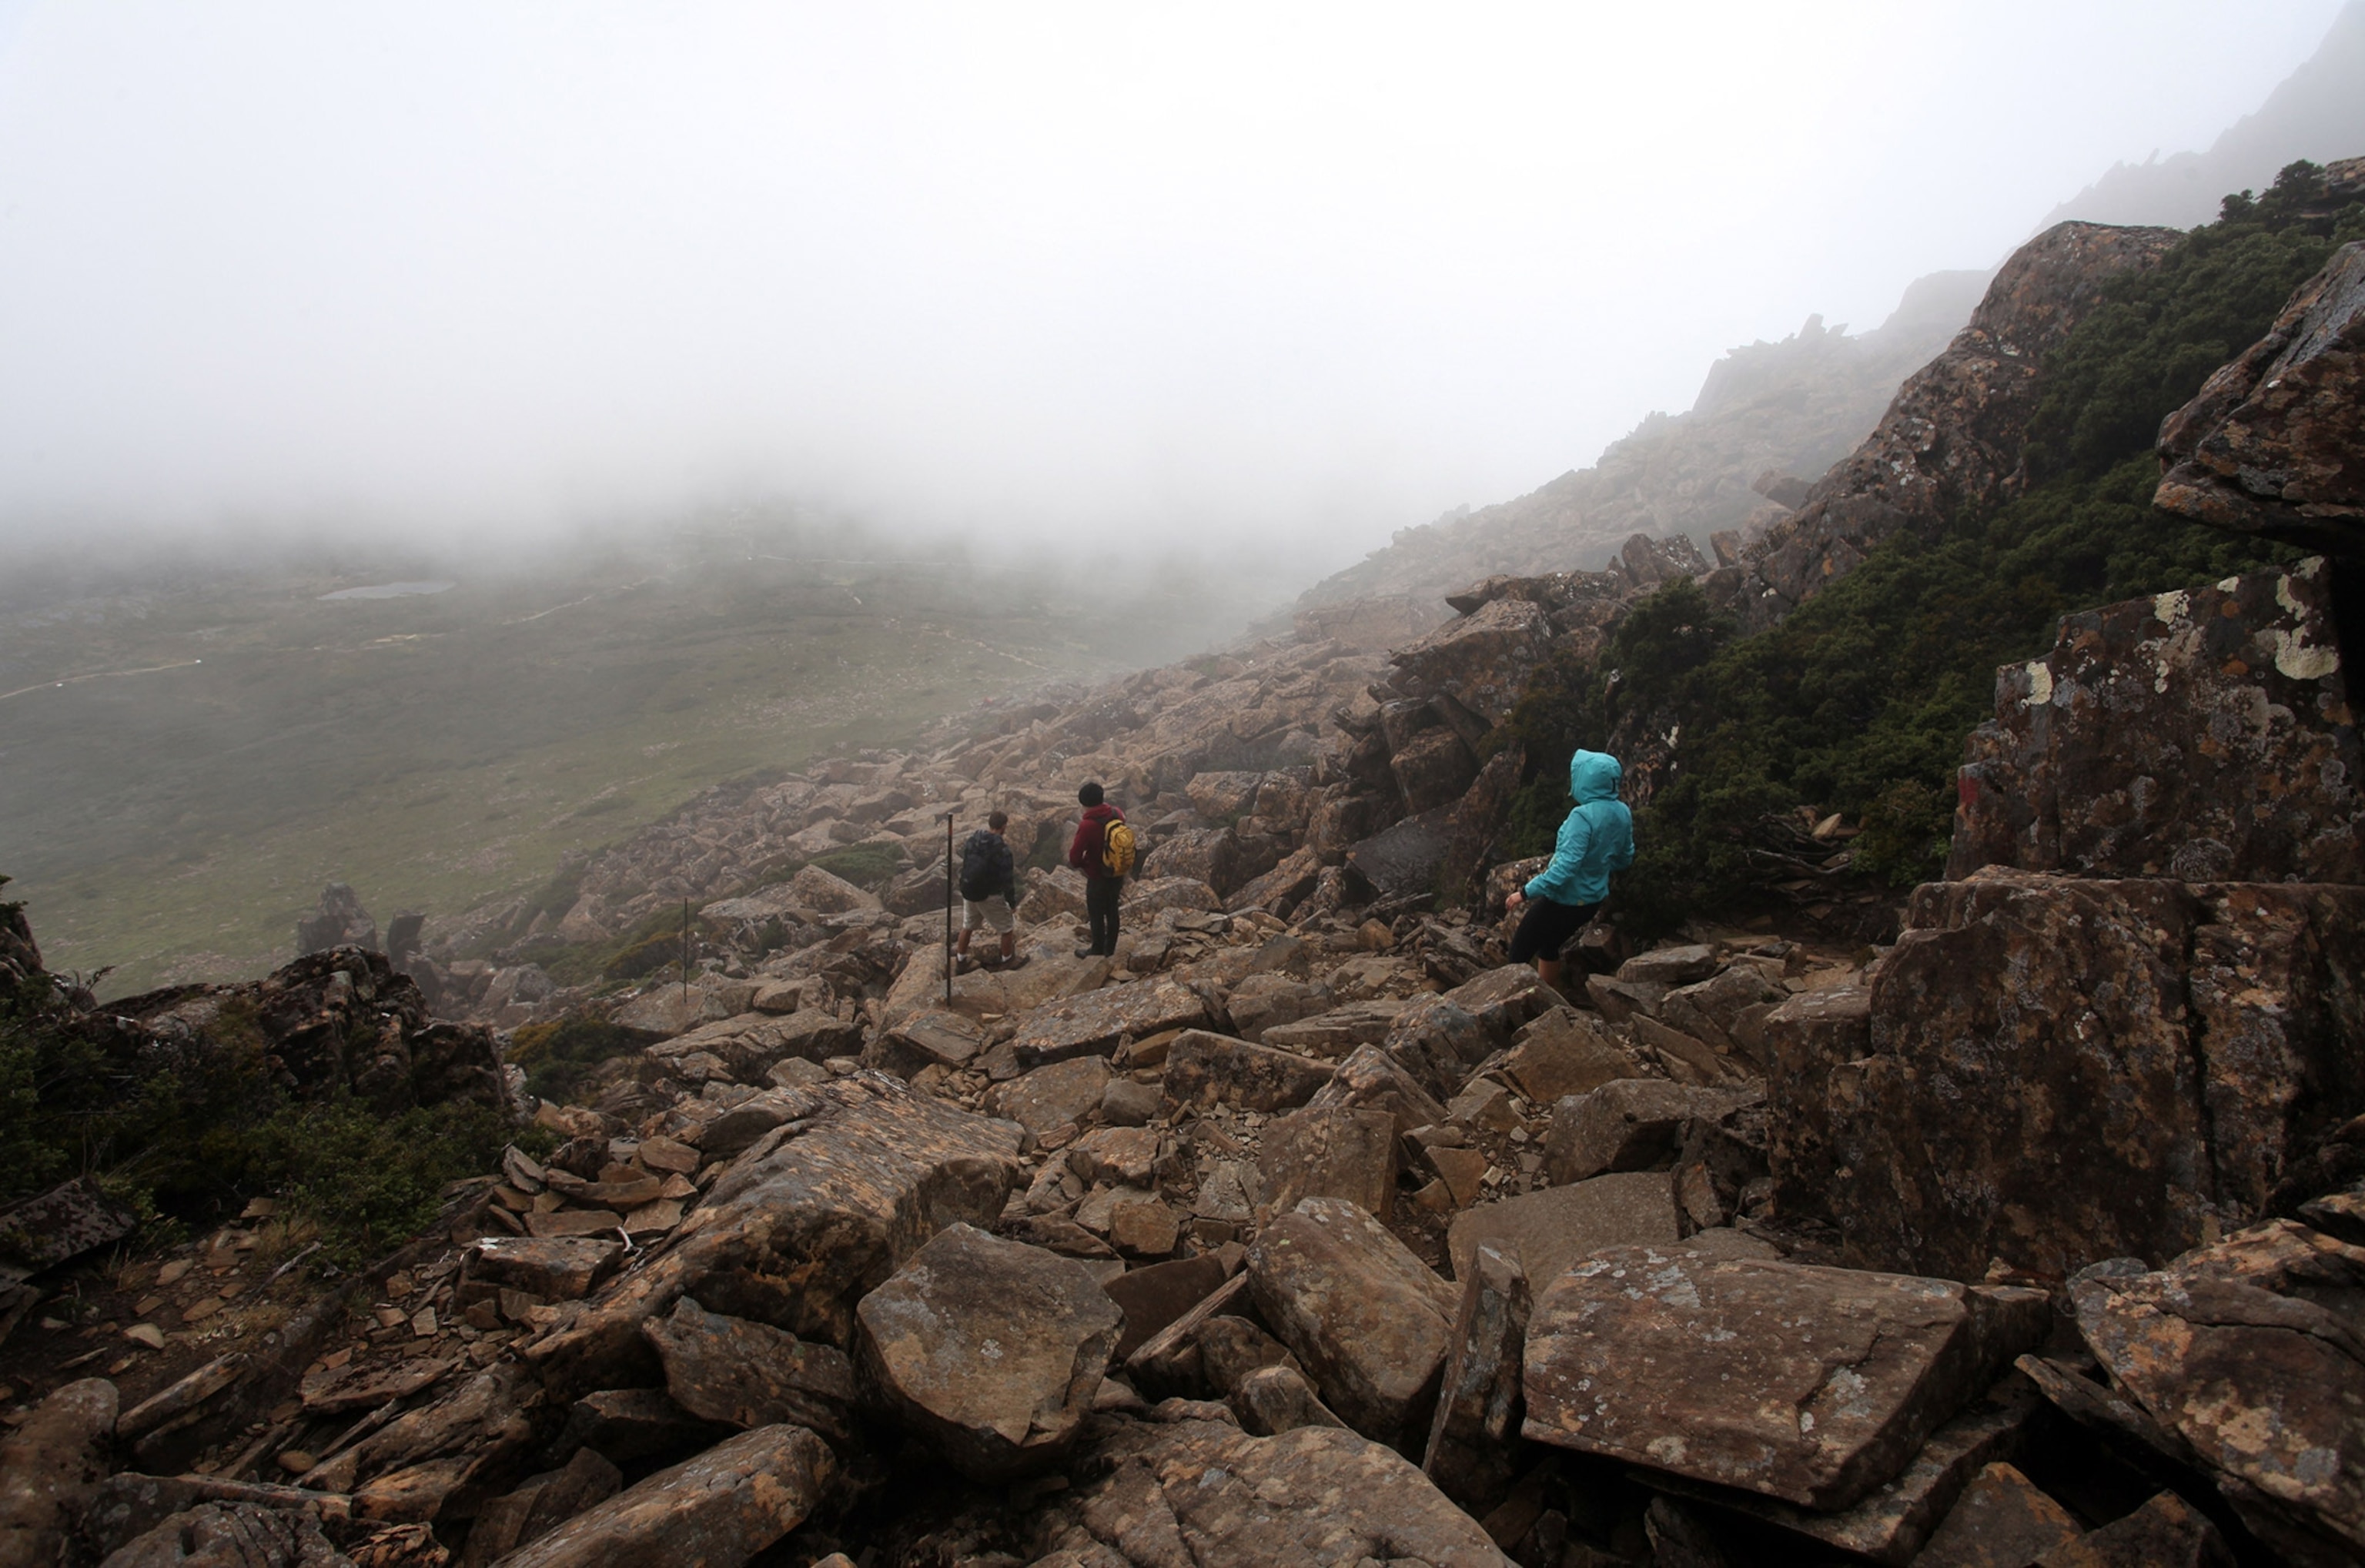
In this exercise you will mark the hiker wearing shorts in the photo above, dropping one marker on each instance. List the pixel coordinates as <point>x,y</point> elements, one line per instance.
<point>1596,839</point>
<point>988,890</point>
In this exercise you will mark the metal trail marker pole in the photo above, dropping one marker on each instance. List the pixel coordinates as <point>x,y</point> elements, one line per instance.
<point>948,909</point>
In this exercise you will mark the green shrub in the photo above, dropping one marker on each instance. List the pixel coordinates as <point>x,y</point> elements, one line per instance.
<point>370,1182</point>
<point>559,1056</point>
<point>187,1132</point>
<point>865,865</point>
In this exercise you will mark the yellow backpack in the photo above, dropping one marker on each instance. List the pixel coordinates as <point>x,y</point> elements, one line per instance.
<point>1117,848</point>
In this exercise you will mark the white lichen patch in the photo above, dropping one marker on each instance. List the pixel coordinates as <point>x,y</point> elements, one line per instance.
<point>2171,607</point>
<point>2296,659</point>
<point>2040,683</point>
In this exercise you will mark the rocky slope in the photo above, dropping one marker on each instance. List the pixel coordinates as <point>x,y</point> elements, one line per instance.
<point>2317,114</point>
<point>1331,1238</point>
<point>1304,1228</point>
<point>1953,437</point>
<point>1768,413</point>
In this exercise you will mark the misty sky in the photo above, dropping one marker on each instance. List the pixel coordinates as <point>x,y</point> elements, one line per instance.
<point>1303,273</point>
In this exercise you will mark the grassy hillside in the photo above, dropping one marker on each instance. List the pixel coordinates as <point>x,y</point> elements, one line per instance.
<point>227,740</point>
<point>1860,701</point>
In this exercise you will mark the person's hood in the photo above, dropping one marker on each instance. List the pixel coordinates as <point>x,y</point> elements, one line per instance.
<point>1102,813</point>
<point>1594,776</point>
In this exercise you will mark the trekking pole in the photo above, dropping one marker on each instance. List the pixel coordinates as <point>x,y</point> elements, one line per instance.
<point>685,951</point>
<point>948,909</point>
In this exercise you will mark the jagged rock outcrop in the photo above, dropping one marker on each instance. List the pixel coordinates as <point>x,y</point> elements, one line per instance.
<point>2184,735</point>
<point>2274,444</point>
<point>2149,1059</point>
<point>2314,113</point>
<point>1952,436</point>
<point>2245,1357</point>
<point>339,922</point>
<point>1792,406</point>
<point>340,1022</point>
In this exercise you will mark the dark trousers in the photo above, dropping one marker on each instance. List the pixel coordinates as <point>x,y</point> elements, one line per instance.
<point>1099,908</point>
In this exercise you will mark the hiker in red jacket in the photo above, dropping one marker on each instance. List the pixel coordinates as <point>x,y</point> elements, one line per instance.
<point>1088,853</point>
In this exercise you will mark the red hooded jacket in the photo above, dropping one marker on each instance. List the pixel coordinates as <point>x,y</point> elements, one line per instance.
<point>1086,851</point>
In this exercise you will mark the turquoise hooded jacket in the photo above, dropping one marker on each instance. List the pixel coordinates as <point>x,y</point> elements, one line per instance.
<point>1596,839</point>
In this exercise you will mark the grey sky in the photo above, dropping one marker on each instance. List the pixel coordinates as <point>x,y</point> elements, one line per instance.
<point>1311,272</point>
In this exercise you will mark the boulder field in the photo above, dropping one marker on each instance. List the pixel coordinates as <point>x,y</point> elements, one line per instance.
<point>1304,1228</point>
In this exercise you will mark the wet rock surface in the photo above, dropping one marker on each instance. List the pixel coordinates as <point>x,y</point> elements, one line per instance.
<point>1813,1385</point>
<point>725,1505</point>
<point>992,1349</point>
<point>1367,1318</point>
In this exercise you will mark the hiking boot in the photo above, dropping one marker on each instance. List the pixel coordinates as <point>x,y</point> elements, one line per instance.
<point>1088,952</point>
<point>1016,961</point>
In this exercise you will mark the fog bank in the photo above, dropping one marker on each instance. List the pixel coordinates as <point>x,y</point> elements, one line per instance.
<point>1274,283</point>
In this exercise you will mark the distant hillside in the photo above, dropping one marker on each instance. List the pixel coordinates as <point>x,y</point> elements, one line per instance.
<point>2317,114</point>
<point>1795,407</point>
<point>194,747</point>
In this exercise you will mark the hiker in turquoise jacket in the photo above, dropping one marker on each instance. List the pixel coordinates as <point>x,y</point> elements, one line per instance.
<point>1596,839</point>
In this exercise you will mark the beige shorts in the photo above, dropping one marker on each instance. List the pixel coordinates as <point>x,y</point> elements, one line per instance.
<point>994,912</point>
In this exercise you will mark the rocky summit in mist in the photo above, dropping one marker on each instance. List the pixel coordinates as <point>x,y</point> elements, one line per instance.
<point>1770,415</point>
<point>1948,1149</point>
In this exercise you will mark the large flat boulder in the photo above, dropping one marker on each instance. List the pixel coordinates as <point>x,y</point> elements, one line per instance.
<point>1631,1124</point>
<point>554,1268</point>
<point>2063,1070</point>
<point>1329,1151</point>
<point>1402,859</point>
<point>724,1506</point>
<point>1372,1080</point>
<point>1811,1385</point>
<point>1052,1096</point>
<point>1090,1025</point>
<point>1207,1494</point>
<point>1367,1320</point>
<point>990,1350</point>
<point>1566,1052</point>
<point>1204,1069</point>
<point>1336,1033</point>
<point>1550,1229</point>
<point>802,1225</point>
<point>1482,660</point>
<point>1052,970</point>
<point>751,1374</point>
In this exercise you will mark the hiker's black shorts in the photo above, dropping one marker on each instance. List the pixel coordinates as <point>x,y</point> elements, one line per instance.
<point>1546,929</point>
